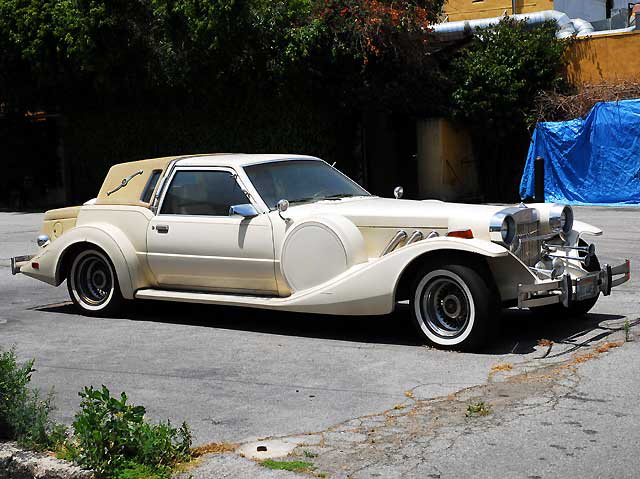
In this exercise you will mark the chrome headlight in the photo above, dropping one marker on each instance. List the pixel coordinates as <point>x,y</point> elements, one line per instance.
<point>502,228</point>
<point>561,218</point>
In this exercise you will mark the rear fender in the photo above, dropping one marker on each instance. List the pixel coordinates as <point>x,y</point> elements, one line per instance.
<point>106,237</point>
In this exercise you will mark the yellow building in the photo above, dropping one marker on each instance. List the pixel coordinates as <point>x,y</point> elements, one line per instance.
<point>446,163</point>
<point>455,10</point>
<point>609,58</point>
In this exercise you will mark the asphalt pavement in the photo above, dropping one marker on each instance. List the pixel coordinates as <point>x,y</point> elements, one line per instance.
<point>238,374</point>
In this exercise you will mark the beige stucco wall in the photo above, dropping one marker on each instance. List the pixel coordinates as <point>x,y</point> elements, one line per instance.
<point>605,59</point>
<point>446,165</point>
<point>470,10</point>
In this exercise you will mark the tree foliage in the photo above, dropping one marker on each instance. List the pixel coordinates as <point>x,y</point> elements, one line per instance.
<point>57,52</point>
<point>496,81</point>
<point>500,74</point>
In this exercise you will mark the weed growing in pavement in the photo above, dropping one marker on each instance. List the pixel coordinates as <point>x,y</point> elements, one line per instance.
<point>24,414</point>
<point>287,465</point>
<point>478,409</point>
<point>112,438</point>
<point>309,454</point>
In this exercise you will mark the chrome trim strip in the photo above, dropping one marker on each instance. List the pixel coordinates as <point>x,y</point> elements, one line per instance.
<point>398,238</point>
<point>161,184</point>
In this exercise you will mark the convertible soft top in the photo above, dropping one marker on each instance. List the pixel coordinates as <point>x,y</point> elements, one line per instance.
<point>132,192</point>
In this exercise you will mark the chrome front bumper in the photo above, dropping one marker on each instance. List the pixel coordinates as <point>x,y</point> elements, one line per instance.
<point>568,289</point>
<point>17,262</point>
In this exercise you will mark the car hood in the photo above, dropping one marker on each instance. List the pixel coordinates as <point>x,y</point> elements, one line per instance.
<point>392,213</point>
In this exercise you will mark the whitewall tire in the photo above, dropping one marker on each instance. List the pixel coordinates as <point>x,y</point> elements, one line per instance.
<point>452,307</point>
<point>93,283</point>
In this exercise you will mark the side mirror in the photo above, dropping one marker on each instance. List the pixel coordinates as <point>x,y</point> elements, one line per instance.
<point>282,205</point>
<point>245,210</point>
<point>398,191</point>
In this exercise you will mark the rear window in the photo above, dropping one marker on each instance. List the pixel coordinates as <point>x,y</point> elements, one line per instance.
<point>150,186</point>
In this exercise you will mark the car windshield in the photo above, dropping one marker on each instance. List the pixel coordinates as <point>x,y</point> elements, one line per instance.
<point>301,181</point>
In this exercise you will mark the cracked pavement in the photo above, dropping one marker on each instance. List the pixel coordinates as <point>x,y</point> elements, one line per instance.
<point>366,398</point>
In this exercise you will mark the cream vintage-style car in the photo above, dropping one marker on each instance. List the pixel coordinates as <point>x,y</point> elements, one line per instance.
<point>293,233</point>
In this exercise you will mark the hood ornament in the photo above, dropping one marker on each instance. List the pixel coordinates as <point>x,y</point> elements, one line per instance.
<point>398,191</point>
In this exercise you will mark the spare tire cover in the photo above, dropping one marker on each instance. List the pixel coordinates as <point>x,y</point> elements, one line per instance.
<point>318,249</point>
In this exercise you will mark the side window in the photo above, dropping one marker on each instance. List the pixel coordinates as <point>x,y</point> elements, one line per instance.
<point>209,193</point>
<point>150,186</point>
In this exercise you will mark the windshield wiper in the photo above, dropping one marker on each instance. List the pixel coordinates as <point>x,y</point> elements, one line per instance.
<point>338,196</point>
<point>303,200</point>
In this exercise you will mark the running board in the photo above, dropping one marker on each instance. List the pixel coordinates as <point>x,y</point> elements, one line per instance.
<point>324,299</point>
<point>212,298</point>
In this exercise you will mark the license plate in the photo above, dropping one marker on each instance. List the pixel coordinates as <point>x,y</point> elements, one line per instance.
<point>586,287</point>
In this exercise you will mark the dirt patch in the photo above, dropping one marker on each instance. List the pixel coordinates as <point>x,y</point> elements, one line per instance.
<point>213,448</point>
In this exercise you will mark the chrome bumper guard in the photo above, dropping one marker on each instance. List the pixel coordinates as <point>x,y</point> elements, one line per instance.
<point>17,262</point>
<point>567,289</point>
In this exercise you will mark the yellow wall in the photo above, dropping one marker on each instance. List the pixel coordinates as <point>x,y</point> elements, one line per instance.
<point>470,10</point>
<point>605,59</point>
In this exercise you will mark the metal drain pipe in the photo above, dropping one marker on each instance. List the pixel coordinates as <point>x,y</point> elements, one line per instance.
<point>459,30</point>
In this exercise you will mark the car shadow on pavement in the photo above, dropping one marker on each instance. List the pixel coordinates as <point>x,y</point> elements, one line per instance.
<point>523,331</point>
<point>520,331</point>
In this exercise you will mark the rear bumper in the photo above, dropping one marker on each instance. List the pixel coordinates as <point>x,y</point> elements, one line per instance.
<point>568,289</point>
<point>18,261</point>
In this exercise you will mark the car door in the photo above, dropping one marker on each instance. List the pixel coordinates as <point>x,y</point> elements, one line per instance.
<point>193,243</point>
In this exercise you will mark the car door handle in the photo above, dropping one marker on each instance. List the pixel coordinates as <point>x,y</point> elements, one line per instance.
<point>162,228</point>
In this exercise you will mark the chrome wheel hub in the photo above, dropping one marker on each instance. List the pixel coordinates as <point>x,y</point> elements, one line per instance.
<point>445,307</point>
<point>92,280</point>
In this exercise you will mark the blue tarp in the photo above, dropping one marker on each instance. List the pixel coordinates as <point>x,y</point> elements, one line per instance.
<point>591,160</point>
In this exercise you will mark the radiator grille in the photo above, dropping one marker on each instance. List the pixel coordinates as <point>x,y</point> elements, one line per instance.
<point>529,252</point>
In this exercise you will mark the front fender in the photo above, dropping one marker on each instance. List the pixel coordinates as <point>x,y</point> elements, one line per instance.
<point>370,288</point>
<point>108,238</point>
<point>584,228</point>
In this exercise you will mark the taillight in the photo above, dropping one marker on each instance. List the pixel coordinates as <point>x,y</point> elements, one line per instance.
<point>629,273</point>
<point>35,265</point>
<point>464,234</point>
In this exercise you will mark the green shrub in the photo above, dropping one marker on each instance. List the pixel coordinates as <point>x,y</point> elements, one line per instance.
<point>113,439</point>
<point>24,415</point>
